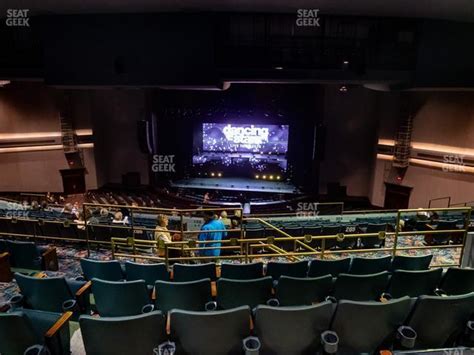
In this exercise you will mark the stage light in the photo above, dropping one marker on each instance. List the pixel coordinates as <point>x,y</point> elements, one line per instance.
<point>278,68</point>
<point>212,174</point>
<point>219,174</point>
<point>264,177</point>
<point>4,82</point>
<point>278,177</point>
<point>271,177</point>
<point>257,176</point>
<point>343,88</point>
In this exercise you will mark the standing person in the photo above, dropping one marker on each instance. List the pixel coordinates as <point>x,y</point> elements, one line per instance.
<point>213,230</point>
<point>162,236</point>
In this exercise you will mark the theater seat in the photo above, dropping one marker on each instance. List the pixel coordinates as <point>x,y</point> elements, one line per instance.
<point>191,295</point>
<point>292,330</point>
<point>458,281</point>
<point>148,272</point>
<point>292,291</point>
<point>363,327</point>
<point>20,330</point>
<point>235,293</point>
<point>404,262</point>
<point>318,267</point>
<point>438,321</point>
<point>360,287</point>
<point>363,266</point>
<point>138,335</point>
<point>210,333</point>
<point>414,283</point>
<point>103,270</point>
<point>242,271</point>
<point>183,273</point>
<point>27,255</point>
<point>53,294</point>
<point>118,299</point>
<point>294,269</point>
<point>373,242</point>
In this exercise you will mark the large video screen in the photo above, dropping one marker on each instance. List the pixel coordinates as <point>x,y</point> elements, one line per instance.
<point>245,138</point>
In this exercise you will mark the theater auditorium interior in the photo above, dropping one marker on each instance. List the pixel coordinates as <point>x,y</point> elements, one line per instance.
<point>236,177</point>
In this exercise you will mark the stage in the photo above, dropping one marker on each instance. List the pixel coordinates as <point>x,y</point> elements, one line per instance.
<point>237,184</point>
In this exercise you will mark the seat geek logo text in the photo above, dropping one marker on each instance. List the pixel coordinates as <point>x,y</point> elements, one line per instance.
<point>17,18</point>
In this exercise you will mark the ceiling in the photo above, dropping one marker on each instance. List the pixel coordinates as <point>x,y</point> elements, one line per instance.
<point>458,10</point>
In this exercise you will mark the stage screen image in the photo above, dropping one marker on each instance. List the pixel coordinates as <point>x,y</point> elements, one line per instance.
<point>248,147</point>
<point>244,138</point>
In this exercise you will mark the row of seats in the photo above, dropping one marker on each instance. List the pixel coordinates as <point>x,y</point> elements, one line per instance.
<point>346,327</point>
<point>27,255</point>
<point>113,271</point>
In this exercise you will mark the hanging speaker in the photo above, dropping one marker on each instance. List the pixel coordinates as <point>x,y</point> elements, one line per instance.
<point>144,136</point>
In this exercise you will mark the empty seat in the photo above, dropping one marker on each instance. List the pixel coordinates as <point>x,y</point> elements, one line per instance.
<point>235,293</point>
<point>375,241</point>
<point>442,238</point>
<point>292,291</point>
<point>254,232</point>
<point>360,287</point>
<point>294,269</point>
<point>363,266</point>
<point>319,267</point>
<point>210,333</point>
<point>27,255</point>
<point>20,330</point>
<point>348,242</point>
<point>330,230</point>
<point>292,330</point>
<point>404,262</point>
<point>242,271</point>
<point>147,272</point>
<point>458,281</point>
<point>183,273</point>
<point>104,270</point>
<point>438,321</point>
<point>118,299</point>
<point>414,283</point>
<point>138,335</point>
<point>53,294</point>
<point>191,295</point>
<point>363,327</point>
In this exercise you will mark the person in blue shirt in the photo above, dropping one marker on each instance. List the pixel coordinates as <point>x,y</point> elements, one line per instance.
<point>212,229</point>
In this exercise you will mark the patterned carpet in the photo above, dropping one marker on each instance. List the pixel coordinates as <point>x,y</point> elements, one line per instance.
<point>69,259</point>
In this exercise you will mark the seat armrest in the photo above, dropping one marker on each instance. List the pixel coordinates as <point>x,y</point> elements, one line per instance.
<point>84,289</point>
<point>60,323</point>
<point>385,297</point>
<point>50,259</point>
<point>251,345</point>
<point>5,270</point>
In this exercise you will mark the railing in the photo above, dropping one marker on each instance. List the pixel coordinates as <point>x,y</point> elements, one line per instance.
<point>448,198</point>
<point>244,248</point>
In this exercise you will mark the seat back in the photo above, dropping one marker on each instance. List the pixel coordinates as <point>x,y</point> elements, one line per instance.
<point>292,330</point>
<point>330,230</point>
<point>458,281</point>
<point>372,242</point>
<point>443,238</point>
<point>414,283</point>
<point>123,335</point>
<point>404,262</point>
<point>17,333</point>
<point>148,272</point>
<point>364,266</point>
<point>242,271</point>
<point>191,295</point>
<point>210,333</point>
<point>363,327</point>
<point>292,291</point>
<point>235,293</point>
<point>319,267</point>
<point>184,273</point>
<point>118,299</point>
<point>24,255</point>
<point>360,287</point>
<point>46,294</point>
<point>294,269</point>
<point>104,270</point>
<point>439,320</point>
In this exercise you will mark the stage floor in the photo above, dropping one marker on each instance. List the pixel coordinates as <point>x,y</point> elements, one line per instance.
<point>237,184</point>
